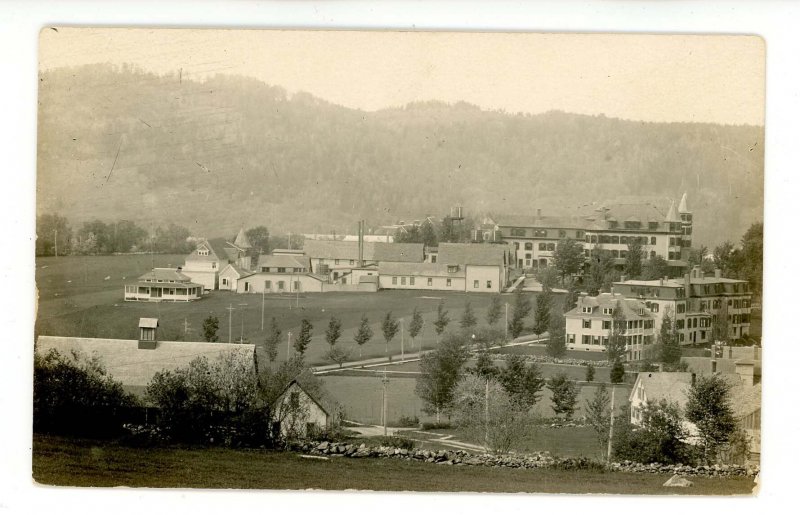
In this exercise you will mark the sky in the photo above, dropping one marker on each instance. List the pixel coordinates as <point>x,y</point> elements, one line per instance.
<point>658,78</point>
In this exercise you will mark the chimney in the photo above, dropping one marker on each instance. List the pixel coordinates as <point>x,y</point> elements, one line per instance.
<point>147,333</point>
<point>717,273</point>
<point>661,282</point>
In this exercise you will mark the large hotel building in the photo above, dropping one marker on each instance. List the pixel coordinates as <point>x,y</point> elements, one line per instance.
<point>611,226</point>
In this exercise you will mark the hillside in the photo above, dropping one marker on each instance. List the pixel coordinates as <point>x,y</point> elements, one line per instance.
<point>231,151</point>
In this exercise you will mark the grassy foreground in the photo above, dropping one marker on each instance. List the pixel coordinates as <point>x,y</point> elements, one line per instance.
<point>58,461</point>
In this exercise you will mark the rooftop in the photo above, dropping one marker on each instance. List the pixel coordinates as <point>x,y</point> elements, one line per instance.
<point>472,254</point>
<point>630,307</point>
<point>283,261</point>
<point>419,269</point>
<point>134,367</point>
<point>164,275</point>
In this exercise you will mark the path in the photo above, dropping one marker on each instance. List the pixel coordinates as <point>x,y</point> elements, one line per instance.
<point>408,357</point>
<point>440,438</point>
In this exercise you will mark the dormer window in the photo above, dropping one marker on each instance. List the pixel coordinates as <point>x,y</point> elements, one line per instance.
<point>586,309</point>
<point>451,269</point>
<point>608,311</point>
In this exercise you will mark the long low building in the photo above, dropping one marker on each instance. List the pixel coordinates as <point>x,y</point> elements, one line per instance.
<point>163,284</point>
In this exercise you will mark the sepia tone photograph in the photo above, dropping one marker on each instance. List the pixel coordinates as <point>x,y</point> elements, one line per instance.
<point>399,261</point>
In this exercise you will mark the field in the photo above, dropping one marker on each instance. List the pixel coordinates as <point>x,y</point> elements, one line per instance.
<point>85,463</point>
<point>362,397</point>
<point>82,296</point>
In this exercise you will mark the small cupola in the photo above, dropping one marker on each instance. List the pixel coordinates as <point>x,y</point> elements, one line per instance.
<point>147,333</point>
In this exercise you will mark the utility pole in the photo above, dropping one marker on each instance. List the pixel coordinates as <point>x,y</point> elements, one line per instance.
<point>385,381</point>
<point>402,340</point>
<point>55,241</point>
<point>506,322</point>
<point>241,339</point>
<point>288,347</point>
<point>611,426</point>
<point>486,417</point>
<point>262,310</point>
<point>230,309</point>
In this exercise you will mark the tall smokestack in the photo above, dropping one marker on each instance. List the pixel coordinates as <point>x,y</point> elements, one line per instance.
<point>361,243</point>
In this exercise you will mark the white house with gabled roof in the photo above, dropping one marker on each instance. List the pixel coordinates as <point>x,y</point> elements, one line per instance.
<point>202,266</point>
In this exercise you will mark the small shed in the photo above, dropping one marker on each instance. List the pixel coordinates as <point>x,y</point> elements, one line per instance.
<point>297,413</point>
<point>147,333</point>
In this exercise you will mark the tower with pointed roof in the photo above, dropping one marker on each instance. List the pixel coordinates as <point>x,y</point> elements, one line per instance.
<point>242,241</point>
<point>686,222</point>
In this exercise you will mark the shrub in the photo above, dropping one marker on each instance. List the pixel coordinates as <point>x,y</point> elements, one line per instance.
<point>581,463</point>
<point>405,421</point>
<point>397,442</point>
<point>73,395</point>
<point>436,425</point>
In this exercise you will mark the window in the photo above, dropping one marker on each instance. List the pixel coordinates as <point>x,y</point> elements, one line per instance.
<point>570,338</point>
<point>335,261</point>
<point>608,311</point>
<point>433,258</point>
<point>586,309</point>
<point>671,241</point>
<point>540,233</point>
<point>615,239</point>
<point>529,246</point>
<point>654,307</point>
<point>579,235</point>
<point>449,282</point>
<point>624,240</point>
<point>430,281</point>
<point>587,324</point>
<point>476,284</point>
<point>451,269</point>
<point>652,254</point>
<point>516,245</point>
<point>267,285</point>
<point>281,285</point>
<point>543,246</point>
<point>623,253</point>
<point>402,281</point>
<point>352,261</point>
<point>551,246</point>
<point>606,324</point>
<point>517,232</point>
<point>489,284</point>
<point>394,280</point>
<point>586,339</point>
<point>562,233</point>
<point>281,270</point>
<point>411,281</point>
<point>224,281</point>
<point>213,264</point>
<point>528,256</point>
<point>652,240</point>
<point>264,269</point>
<point>246,286</point>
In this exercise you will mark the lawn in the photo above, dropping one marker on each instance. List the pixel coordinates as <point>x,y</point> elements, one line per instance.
<point>58,461</point>
<point>76,299</point>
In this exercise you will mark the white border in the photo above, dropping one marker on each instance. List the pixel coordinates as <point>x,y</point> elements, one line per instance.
<point>21,21</point>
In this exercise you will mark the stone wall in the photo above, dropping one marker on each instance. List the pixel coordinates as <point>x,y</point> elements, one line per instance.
<point>526,461</point>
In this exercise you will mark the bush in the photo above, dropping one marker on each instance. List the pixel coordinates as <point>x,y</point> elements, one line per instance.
<point>74,396</point>
<point>405,421</point>
<point>436,425</point>
<point>581,463</point>
<point>661,439</point>
<point>397,442</point>
<point>617,372</point>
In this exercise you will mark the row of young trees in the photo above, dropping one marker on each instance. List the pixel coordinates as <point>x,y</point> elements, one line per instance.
<point>431,232</point>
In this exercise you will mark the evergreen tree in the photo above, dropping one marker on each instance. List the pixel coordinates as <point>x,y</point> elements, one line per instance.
<point>495,310</point>
<point>485,367</point>
<point>442,319</point>
<point>570,299</point>
<point>565,395</point>
<point>415,326</point>
<point>468,320</point>
<point>601,271</point>
<point>556,341</point>
<point>617,372</point>
<point>389,327</point>
<point>210,328</point>
<point>668,342</point>
<point>522,308</point>
<point>541,315</point>
<point>440,371</point>
<point>522,383</point>
<point>598,414</point>
<point>633,261</point>
<point>272,339</point>
<point>304,337</point>
<point>589,373</point>
<point>616,337</point>
<point>709,408</point>
<point>428,234</point>
<point>655,268</point>
<point>568,258</point>
<point>363,334</point>
<point>334,331</point>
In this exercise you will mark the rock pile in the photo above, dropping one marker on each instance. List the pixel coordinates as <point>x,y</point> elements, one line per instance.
<point>527,461</point>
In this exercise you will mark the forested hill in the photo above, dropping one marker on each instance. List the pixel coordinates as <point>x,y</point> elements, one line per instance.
<point>229,151</point>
